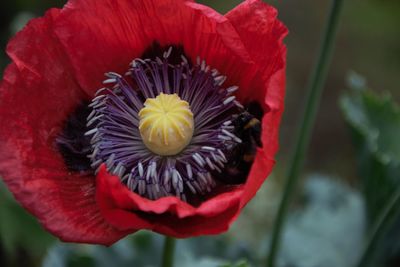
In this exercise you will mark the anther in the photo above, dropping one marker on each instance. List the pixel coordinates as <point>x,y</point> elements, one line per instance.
<point>112,75</point>
<point>167,177</point>
<point>91,121</point>
<point>220,80</point>
<point>197,159</point>
<point>189,171</point>
<point>202,177</point>
<point>142,186</point>
<point>221,154</point>
<point>140,168</point>
<point>108,81</point>
<point>168,53</point>
<point>191,188</point>
<point>224,137</point>
<point>203,65</point>
<point>159,61</point>
<point>232,89</point>
<point>229,100</point>
<point>238,104</point>
<point>209,163</point>
<point>184,59</point>
<point>92,131</point>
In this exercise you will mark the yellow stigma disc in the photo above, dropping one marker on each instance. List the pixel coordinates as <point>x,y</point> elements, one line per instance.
<point>166,124</point>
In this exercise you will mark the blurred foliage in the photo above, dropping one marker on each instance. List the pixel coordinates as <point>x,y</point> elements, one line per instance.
<point>239,264</point>
<point>328,230</point>
<point>375,125</point>
<point>21,235</point>
<point>139,250</point>
<point>374,121</point>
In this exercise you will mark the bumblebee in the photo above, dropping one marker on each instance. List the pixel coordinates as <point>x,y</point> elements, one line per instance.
<point>241,156</point>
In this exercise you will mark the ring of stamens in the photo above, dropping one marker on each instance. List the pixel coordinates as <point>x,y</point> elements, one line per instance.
<point>120,134</point>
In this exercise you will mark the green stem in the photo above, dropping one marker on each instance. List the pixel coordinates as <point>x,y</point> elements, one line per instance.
<point>168,253</point>
<point>315,88</point>
<point>380,227</point>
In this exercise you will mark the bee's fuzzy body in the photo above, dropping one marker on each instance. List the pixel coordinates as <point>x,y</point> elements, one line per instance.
<point>241,156</point>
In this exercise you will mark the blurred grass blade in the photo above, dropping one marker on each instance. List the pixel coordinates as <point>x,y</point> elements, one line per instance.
<point>168,252</point>
<point>315,89</point>
<point>382,225</point>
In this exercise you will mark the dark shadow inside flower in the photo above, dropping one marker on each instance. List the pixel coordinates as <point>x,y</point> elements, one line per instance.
<point>255,109</point>
<point>72,143</point>
<point>155,50</point>
<point>220,152</point>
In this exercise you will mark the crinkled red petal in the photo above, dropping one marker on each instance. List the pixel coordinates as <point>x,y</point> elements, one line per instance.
<point>262,35</point>
<point>110,34</point>
<point>171,216</point>
<point>36,95</point>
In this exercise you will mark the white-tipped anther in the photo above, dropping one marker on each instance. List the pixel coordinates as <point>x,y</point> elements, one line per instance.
<point>232,89</point>
<point>90,132</point>
<point>229,100</point>
<point>140,169</point>
<point>109,81</point>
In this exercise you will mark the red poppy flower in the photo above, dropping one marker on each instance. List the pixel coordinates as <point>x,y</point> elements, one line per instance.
<point>78,160</point>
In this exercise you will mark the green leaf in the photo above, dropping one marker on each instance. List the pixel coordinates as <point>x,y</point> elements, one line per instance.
<point>19,231</point>
<point>374,121</point>
<point>375,124</point>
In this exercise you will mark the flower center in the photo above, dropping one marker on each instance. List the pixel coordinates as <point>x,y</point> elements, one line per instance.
<point>166,124</point>
<point>141,126</point>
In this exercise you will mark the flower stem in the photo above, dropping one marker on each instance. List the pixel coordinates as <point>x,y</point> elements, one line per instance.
<point>168,253</point>
<point>380,227</point>
<point>315,87</point>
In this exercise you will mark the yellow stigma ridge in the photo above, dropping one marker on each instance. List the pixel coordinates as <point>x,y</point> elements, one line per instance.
<point>166,124</point>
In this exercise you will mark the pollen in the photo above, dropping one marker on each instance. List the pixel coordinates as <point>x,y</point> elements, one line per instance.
<point>166,124</point>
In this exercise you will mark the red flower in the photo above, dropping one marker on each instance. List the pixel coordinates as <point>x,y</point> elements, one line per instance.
<point>59,60</point>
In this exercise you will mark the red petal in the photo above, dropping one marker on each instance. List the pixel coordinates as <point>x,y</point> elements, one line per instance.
<point>262,34</point>
<point>171,216</point>
<point>37,94</point>
<point>110,34</point>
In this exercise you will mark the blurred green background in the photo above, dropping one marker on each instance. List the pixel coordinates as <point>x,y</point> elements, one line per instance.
<point>333,195</point>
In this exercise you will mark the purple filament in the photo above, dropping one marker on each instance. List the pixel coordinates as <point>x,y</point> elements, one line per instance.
<point>116,140</point>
